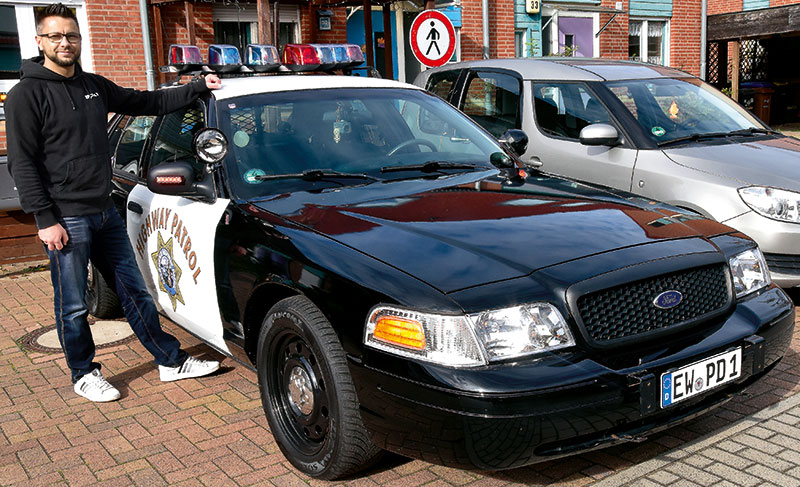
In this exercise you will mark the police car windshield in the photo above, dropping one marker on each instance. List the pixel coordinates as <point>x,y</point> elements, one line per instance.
<point>347,130</point>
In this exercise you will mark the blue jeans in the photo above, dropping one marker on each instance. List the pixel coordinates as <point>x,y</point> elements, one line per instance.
<point>102,238</point>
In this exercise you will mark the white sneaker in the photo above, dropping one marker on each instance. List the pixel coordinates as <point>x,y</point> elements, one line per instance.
<point>94,387</point>
<point>192,367</point>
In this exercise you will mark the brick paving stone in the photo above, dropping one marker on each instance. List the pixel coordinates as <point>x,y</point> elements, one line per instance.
<point>772,461</point>
<point>737,476</point>
<point>686,471</point>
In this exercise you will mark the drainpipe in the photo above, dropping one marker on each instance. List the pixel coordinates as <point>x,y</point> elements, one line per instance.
<point>485,8</point>
<point>148,50</point>
<point>703,40</point>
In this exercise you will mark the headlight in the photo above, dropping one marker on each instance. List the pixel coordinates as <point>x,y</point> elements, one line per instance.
<point>468,340</point>
<point>777,204</point>
<point>522,330</point>
<point>749,272</point>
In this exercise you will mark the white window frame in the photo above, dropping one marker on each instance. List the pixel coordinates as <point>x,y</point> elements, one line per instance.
<point>665,40</point>
<point>26,28</point>
<point>555,14</point>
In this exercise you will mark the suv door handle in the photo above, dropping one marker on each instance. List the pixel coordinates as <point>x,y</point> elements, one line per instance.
<point>534,161</point>
<point>135,207</point>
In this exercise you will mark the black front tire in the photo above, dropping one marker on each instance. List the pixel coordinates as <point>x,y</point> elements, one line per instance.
<point>308,395</point>
<point>100,299</point>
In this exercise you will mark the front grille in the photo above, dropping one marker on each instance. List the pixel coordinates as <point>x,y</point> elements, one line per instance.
<point>783,263</point>
<point>628,310</point>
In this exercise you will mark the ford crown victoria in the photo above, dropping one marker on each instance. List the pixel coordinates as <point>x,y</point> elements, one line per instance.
<point>399,282</point>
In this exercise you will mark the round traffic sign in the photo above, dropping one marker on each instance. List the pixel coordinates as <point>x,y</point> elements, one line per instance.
<point>432,38</point>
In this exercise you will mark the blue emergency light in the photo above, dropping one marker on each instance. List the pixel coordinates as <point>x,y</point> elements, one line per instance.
<point>261,58</point>
<point>313,57</point>
<point>224,58</point>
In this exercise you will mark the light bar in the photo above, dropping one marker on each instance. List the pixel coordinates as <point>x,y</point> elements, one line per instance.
<point>169,180</point>
<point>323,57</point>
<point>184,57</point>
<point>224,58</point>
<point>261,58</point>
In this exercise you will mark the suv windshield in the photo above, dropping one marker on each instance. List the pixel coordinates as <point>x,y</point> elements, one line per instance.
<point>676,108</point>
<point>334,132</point>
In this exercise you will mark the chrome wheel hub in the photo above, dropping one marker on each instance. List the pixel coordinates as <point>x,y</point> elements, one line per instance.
<point>301,392</point>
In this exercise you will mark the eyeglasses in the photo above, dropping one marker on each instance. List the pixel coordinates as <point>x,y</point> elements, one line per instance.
<point>56,37</point>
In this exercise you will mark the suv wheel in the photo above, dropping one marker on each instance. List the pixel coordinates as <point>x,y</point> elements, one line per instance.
<point>100,299</point>
<point>308,395</point>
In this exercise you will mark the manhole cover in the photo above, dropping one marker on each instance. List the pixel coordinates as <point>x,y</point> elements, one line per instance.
<point>105,334</point>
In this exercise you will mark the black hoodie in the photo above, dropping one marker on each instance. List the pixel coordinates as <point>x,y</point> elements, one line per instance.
<point>56,136</point>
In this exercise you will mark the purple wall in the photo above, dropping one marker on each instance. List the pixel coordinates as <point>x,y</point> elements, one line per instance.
<point>581,29</point>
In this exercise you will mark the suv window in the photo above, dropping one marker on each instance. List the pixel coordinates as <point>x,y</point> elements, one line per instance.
<point>441,84</point>
<point>132,135</point>
<point>175,136</point>
<point>493,101</point>
<point>563,109</point>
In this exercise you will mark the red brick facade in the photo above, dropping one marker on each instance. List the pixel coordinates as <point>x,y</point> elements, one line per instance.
<point>724,6</point>
<point>614,39</point>
<point>501,29</point>
<point>684,36</point>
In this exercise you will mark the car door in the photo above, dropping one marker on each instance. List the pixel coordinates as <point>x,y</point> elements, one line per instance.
<point>560,110</point>
<point>493,99</point>
<point>173,236</point>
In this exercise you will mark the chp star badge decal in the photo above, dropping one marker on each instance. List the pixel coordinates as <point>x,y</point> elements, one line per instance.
<point>168,271</point>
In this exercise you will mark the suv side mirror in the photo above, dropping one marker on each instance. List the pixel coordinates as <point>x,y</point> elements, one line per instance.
<point>516,139</point>
<point>177,178</point>
<point>599,134</point>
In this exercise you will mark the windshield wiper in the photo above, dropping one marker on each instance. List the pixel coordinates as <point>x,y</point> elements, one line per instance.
<point>753,131</point>
<point>315,175</point>
<point>688,138</point>
<point>430,166</point>
<point>711,135</point>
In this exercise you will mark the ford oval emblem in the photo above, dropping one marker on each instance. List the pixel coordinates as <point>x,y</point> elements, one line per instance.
<point>668,299</point>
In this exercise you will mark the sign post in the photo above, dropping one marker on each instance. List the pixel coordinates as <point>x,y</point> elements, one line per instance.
<point>432,38</point>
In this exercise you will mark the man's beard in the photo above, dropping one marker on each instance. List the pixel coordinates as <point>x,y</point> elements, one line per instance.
<point>62,62</point>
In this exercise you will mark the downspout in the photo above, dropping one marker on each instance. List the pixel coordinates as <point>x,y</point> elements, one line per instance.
<point>703,40</point>
<point>148,50</point>
<point>485,9</point>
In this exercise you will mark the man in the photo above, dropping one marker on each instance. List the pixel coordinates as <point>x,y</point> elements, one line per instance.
<point>58,155</point>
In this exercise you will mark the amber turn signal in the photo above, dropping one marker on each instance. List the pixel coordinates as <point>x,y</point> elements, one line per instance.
<point>401,332</point>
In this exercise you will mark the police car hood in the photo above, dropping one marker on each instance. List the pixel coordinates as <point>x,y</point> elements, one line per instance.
<point>774,161</point>
<point>459,236</point>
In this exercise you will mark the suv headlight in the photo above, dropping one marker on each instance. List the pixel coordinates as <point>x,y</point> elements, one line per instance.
<point>750,273</point>
<point>777,204</point>
<point>468,340</point>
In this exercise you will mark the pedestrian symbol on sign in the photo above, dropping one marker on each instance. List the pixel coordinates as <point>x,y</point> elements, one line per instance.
<point>432,38</point>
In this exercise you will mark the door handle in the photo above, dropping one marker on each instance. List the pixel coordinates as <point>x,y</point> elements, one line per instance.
<point>534,161</point>
<point>135,207</point>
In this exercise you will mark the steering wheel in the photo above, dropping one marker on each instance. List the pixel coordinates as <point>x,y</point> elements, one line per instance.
<point>412,142</point>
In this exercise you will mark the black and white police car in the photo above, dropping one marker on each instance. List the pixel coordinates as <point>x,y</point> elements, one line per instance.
<point>399,282</point>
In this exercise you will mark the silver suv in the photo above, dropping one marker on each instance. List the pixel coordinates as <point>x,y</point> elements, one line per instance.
<point>651,130</point>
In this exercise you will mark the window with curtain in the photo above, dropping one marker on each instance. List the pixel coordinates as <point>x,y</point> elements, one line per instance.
<point>647,41</point>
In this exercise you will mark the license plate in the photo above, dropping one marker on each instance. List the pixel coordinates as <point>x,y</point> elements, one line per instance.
<point>700,377</point>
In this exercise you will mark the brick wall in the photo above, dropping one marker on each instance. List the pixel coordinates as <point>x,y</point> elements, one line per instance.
<point>116,32</point>
<point>501,29</point>
<point>723,6</point>
<point>685,36</point>
<point>779,3</point>
<point>614,39</point>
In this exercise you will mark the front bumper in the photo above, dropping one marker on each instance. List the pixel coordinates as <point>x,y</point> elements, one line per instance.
<point>506,416</point>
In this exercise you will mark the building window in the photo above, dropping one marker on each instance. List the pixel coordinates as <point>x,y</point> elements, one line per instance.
<point>647,41</point>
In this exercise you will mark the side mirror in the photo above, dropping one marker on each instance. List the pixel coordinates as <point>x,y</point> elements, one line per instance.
<point>516,139</point>
<point>177,179</point>
<point>210,145</point>
<point>599,134</point>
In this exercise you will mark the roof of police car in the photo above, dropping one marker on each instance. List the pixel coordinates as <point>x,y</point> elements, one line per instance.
<point>574,69</point>
<point>234,87</point>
